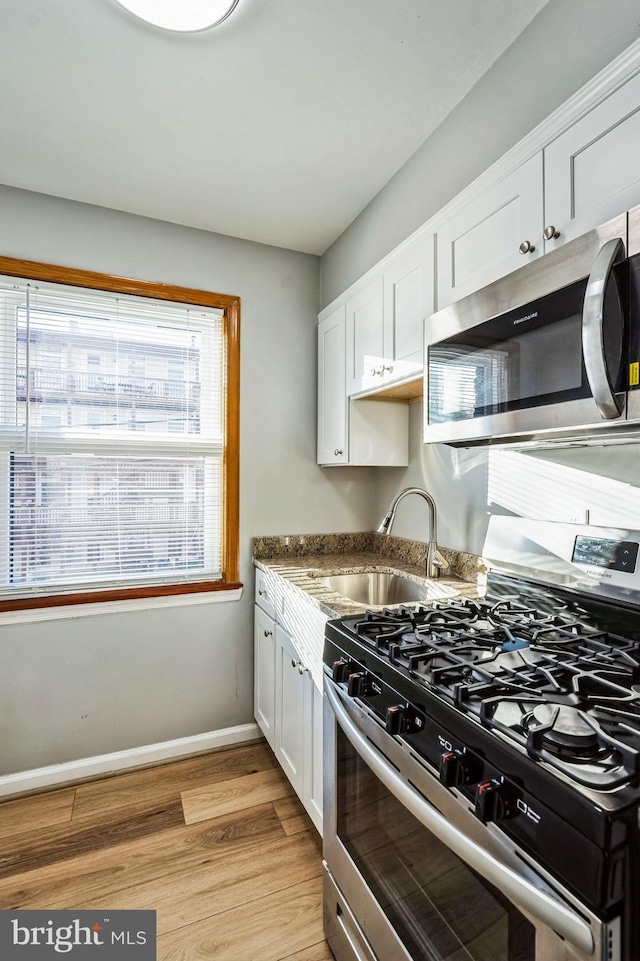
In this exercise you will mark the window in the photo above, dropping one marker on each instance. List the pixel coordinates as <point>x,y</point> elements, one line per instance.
<point>118,437</point>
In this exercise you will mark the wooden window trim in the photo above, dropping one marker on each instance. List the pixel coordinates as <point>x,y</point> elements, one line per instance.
<point>230,305</point>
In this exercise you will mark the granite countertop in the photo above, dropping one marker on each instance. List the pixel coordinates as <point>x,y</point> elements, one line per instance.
<point>302,560</point>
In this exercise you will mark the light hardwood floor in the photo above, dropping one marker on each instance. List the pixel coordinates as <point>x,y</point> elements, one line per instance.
<point>218,845</point>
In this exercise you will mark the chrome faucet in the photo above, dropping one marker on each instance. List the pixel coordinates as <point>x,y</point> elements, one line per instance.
<point>435,562</point>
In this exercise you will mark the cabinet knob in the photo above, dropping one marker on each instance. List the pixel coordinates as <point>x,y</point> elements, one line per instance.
<point>337,452</point>
<point>268,633</point>
<point>261,592</point>
<point>380,370</point>
<point>526,247</point>
<point>301,668</point>
<point>551,232</point>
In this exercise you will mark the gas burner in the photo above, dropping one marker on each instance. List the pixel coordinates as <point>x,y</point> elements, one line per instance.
<point>565,732</point>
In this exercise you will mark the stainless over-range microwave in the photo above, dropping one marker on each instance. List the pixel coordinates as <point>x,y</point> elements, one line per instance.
<point>548,354</point>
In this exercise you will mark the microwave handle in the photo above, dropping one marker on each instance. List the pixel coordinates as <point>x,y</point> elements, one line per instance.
<point>592,329</point>
<point>517,889</point>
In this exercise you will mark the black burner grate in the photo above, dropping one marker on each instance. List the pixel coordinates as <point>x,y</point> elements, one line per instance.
<point>566,690</point>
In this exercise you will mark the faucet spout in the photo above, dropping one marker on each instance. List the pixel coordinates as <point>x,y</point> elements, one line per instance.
<point>435,562</point>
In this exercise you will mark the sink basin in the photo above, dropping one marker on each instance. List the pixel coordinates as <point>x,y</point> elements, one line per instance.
<point>382,587</point>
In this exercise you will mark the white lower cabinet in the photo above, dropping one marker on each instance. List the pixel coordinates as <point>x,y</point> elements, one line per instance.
<point>313,768</point>
<point>264,647</point>
<point>288,707</point>
<point>290,720</point>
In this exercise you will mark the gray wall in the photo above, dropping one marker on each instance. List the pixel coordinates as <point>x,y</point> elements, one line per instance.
<point>85,686</point>
<point>567,44</point>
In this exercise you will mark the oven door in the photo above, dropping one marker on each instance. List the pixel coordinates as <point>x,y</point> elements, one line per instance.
<point>412,874</point>
<point>550,363</point>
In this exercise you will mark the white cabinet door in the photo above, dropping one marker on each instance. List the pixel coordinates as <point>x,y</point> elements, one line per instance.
<point>264,674</point>
<point>483,242</point>
<point>591,170</point>
<point>408,299</point>
<point>360,433</point>
<point>332,397</point>
<point>289,711</point>
<point>312,797</point>
<point>365,338</point>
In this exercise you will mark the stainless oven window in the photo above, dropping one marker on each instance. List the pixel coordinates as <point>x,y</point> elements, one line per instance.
<point>439,907</point>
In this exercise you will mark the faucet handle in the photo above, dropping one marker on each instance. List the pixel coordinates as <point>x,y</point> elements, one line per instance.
<point>435,562</point>
<point>441,561</point>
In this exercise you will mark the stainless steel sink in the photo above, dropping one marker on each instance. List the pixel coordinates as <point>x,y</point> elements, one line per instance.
<point>382,587</point>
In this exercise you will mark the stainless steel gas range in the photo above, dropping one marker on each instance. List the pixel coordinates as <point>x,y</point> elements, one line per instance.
<point>482,761</point>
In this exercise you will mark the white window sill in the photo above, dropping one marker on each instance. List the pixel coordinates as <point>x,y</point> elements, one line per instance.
<point>31,615</point>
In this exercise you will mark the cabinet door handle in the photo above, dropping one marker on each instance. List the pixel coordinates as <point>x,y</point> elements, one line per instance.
<point>293,663</point>
<point>526,247</point>
<point>337,452</point>
<point>551,232</point>
<point>301,668</point>
<point>268,633</point>
<point>261,592</point>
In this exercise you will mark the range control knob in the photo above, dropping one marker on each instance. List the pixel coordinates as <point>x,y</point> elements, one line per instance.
<point>398,720</point>
<point>458,768</point>
<point>340,670</point>
<point>495,801</point>
<point>358,684</point>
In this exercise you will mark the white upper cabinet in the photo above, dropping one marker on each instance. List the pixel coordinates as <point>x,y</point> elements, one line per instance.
<point>360,433</point>
<point>591,170</point>
<point>408,282</point>
<point>385,320</point>
<point>496,233</point>
<point>365,337</point>
<point>332,397</point>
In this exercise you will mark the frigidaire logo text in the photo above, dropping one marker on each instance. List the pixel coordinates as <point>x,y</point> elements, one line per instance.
<point>115,935</point>
<point>522,320</point>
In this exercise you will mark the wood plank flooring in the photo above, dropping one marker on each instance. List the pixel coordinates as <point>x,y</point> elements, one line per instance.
<point>219,846</point>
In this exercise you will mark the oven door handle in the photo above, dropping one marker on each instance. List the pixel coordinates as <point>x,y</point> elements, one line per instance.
<point>595,362</point>
<point>521,892</point>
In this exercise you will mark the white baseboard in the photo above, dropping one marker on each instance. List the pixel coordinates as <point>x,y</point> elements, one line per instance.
<point>41,778</point>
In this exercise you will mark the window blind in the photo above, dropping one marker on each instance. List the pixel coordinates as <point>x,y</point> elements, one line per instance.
<point>111,439</point>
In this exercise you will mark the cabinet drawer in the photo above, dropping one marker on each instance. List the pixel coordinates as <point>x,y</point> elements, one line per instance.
<point>264,595</point>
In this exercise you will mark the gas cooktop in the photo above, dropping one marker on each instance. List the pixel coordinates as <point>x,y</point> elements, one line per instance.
<point>547,661</point>
<point>546,676</point>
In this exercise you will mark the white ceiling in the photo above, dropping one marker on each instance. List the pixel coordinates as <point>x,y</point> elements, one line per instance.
<point>278,126</point>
